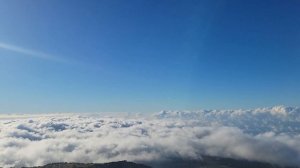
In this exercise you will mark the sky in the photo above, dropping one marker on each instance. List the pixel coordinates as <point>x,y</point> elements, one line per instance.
<point>146,56</point>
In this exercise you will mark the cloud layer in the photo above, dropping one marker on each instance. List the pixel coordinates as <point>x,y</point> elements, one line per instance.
<point>265,134</point>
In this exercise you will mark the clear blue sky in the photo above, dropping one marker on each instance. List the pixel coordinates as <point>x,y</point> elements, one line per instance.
<point>148,55</point>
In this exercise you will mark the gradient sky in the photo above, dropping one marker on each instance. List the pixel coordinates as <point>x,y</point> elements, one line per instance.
<point>148,55</point>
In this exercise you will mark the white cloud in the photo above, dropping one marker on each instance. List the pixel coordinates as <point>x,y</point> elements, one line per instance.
<point>32,53</point>
<point>269,136</point>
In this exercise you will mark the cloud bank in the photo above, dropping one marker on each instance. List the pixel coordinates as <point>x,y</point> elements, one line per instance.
<point>264,134</point>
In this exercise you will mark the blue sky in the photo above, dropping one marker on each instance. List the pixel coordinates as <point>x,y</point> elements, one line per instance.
<point>145,56</point>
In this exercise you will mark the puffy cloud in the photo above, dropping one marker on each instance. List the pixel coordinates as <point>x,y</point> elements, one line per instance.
<point>265,134</point>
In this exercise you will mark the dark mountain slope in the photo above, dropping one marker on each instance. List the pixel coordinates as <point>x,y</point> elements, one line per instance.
<point>120,164</point>
<point>207,162</point>
<point>214,162</point>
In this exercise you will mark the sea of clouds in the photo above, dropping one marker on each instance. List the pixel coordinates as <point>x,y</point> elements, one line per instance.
<point>264,134</point>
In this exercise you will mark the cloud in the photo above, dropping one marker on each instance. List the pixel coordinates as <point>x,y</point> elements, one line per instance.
<point>32,53</point>
<point>165,136</point>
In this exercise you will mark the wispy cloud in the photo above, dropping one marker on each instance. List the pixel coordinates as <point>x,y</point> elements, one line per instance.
<point>32,53</point>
